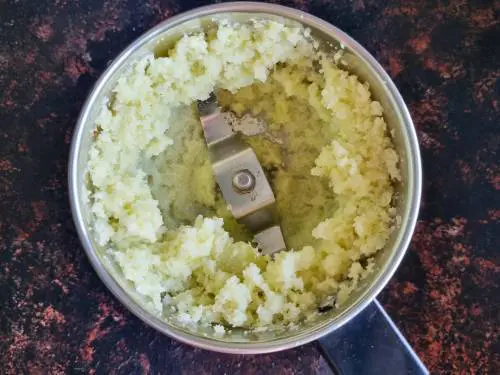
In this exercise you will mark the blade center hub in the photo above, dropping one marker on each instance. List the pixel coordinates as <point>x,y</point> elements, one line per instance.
<point>244,181</point>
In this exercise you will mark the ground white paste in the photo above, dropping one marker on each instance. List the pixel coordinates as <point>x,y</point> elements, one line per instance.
<point>153,198</point>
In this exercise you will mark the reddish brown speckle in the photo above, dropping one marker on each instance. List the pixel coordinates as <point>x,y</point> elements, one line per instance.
<point>20,238</point>
<point>74,68</point>
<point>67,137</point>
<point>45,120</point>
<point>39,211</point>
<point>358,5</point>
<point>487,265</point>
<point>402,10</point>
<point>485,87</point>
<point>87,351</point>
<point>46,77</point>
<point>466,172</point>
<point>30,57</point>
<point>485,18</point>
<point>22,147</point>
<point>495,181</point>
<point>63,287</point>
<point>420,43</point>
<point>456,228</point>
<point>44,32</point>
<point>394,66</point>
<point>160,12</point>
<point>51,315</point>
<point>496,104</point>
<point>494,214</point>
<point>446,70</point>
<point>409,288</point>
<point>7,100</point>
<point>144,361</point>
<point>476,310</point>
<point>18,345</point>
<point>428,142</point>
<point>435,351</point>
<point>6,166</point>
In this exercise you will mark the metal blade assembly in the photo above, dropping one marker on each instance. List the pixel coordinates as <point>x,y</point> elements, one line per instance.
<point>240,177</point>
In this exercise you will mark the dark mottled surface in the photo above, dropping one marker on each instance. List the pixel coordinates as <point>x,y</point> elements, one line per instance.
<point>57,317</point>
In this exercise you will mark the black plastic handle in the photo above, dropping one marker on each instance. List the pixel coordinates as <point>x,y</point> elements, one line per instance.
<point>370,344</point>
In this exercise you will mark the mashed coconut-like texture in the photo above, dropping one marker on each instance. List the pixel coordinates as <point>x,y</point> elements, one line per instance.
<point>154,203</point>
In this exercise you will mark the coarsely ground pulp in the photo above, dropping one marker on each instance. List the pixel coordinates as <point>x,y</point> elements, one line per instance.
<point>155,206</point>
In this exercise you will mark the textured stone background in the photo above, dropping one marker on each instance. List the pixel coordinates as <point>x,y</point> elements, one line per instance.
<point>57,317</point>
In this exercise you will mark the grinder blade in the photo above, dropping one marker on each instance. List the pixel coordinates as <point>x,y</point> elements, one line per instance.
<point>240,177</point>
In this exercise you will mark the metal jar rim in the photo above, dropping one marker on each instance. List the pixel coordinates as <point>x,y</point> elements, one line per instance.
<point>415,175</point>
